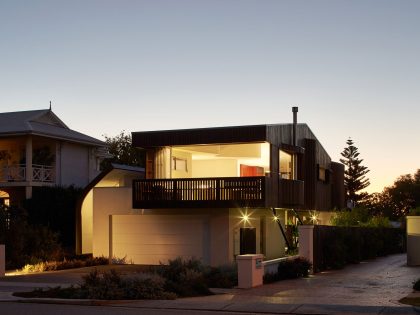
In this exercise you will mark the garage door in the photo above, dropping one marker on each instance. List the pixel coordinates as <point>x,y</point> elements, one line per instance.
<point>153,239</point>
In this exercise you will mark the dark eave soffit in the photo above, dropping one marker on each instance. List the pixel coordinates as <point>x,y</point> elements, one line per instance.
<point>241,134</point>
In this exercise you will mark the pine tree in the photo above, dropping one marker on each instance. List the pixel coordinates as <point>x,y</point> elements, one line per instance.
<point>355,174</point>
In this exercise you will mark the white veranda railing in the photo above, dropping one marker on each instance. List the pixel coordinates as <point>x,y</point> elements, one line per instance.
<point>18,172</point>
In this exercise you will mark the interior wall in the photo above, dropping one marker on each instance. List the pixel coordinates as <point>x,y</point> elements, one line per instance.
<point>184,156</point>
<point>215,168</point>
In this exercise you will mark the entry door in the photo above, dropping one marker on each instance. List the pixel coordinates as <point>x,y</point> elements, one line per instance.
<point>248,241</point>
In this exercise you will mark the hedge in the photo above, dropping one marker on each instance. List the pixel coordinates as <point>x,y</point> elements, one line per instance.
<point>336,246</point>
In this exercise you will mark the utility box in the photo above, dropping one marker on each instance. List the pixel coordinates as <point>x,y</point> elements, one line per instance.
<point>2,260</point>
<point>413,240</point>
<point>250,270</point>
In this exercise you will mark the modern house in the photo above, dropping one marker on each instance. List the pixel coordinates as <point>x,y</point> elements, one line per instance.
<point>38,149</point>
<point>214,193</point>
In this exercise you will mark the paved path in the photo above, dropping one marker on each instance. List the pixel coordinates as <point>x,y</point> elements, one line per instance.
<point>372,287</point>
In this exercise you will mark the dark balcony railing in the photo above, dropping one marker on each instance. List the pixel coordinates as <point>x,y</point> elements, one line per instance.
<point>199,192</point>
<point>292,193</point>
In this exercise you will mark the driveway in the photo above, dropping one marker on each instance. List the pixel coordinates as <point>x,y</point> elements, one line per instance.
<point>380,282</point>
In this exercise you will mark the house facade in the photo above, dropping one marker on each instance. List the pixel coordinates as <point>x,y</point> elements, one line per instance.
<point>38,149</point>
<point>214,193</point>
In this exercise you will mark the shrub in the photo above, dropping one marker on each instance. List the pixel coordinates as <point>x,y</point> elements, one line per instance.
<point>338,246</point>
<point>65,264</point>
<point>290,269</point>
<point>108,286</point>
<point>55,207</point>
<point>414,211</point>
<point>222,277</point>
<point>416,285</point>
<point>112,286</point>
<point>184,277</point>
<point>26,243</point>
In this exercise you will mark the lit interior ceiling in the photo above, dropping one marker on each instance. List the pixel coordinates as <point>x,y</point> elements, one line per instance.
<point>246,150</point>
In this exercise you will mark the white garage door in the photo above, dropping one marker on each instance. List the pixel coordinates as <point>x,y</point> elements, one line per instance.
<point>153,239</point>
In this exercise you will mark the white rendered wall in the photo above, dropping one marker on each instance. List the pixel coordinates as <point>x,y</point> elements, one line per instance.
<point>107,201</point>
<point>222,225</point>
<point>87,224</point>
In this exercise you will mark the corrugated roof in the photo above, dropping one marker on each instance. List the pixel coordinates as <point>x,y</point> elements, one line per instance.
<point>42,123</point>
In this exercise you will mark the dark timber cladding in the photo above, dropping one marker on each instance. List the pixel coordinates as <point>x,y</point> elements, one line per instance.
<point>241,134</point>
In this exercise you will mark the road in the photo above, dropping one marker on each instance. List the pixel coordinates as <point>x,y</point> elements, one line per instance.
<point>13,308</point>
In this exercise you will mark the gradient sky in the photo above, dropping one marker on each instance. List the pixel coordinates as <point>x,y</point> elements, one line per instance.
<point>352,67</point>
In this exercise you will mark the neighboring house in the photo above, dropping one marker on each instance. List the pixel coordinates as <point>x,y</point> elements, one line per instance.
<point>38,149</point>
<point>214,193</point>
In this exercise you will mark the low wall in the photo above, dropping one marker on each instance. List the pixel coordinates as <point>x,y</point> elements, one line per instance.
<point>271,266</point>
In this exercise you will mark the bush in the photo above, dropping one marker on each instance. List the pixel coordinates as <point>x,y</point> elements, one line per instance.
<point>222,277</point>
<point>54,207</point>
<point>290,269</point>
<point>416,285</point>
<point>359,216</point>
<point>26,243</point>
<point>414,211</point>
<point>86,261</point>
<point>338,246</point>
<point>184,277</point>
<point>108,286</point>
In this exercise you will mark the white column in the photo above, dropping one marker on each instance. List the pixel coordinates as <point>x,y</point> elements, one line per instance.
<point>250,270</point>
<point>29,173</point>
<point>306,242</point>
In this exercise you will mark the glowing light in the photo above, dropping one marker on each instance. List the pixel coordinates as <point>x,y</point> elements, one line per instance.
<point>276,218</point>
<point>313,216</point>
<point>245,217</point>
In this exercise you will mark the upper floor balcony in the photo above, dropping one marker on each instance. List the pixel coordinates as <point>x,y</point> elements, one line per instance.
<point>19,173</point>
<point>220,192</point>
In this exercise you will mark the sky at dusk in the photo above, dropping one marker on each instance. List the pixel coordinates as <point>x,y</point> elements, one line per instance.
<point>352,68</point>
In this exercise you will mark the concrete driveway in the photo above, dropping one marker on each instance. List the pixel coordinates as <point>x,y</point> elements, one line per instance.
<point>381,282</point>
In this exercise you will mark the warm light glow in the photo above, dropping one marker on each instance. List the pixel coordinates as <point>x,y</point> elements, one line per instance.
<point>276,218</point>
<point>245,217</point>
<point>313,215</point>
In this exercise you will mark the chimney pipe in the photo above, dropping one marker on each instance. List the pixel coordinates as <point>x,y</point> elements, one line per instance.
<point>295,111</point>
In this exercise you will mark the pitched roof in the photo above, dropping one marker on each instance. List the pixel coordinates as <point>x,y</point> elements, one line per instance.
<point>41,123</point>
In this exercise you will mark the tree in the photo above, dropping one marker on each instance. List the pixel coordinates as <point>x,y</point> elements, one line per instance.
<point>355,178</point>
<point>122,151</point>
<point>405,193</point>
<point>397,200</point>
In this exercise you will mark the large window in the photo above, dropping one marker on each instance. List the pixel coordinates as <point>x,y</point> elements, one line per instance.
<point>286,165</point>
